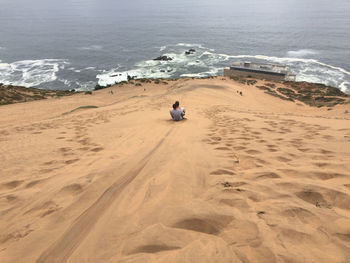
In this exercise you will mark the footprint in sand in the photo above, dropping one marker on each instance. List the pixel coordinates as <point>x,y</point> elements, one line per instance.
<point>326,152</point>
<point>237,203</point>
<point>217,139</point>
<point>212,225</point>
<point>283,159</point>
<point>321,165</point>
<point>238,148</point>
<point>300,214</point>
<point>327,137</point>
<point>314,198</point>
<point>253,152</point>
<point>72,189</point>
<point>294,236</point>
<point>83,149</point>
<point>222,148</point>
<point>222,171</point>
<point>71,161</point>
<point>43,209</point>
<point>11,185</point>
<point>267,175</point>
<point>97,149</point>
<point>65,149</point>
<point>34,183</point>
<point>153,248</point>
<point>303,149</point>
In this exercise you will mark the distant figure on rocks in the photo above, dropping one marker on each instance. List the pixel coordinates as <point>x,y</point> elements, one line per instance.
<point>177,113</point>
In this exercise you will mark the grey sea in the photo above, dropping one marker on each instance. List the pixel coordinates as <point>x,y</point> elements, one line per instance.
<point>75,44</point>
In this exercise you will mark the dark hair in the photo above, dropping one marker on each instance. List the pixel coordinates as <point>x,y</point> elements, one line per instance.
<point>177,103</point>
<point>174,106</point>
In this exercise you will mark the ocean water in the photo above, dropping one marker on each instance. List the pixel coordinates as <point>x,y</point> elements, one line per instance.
<point>74,44</point>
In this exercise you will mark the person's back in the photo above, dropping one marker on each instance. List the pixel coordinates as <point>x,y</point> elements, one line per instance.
<point>177,113</point>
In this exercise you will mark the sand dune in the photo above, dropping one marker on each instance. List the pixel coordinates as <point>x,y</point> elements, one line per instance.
<point>109,178</point>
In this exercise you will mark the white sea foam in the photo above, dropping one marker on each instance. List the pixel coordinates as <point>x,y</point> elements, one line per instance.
<point>30,73</point>
<point>92,47</point>
<point>189,45</point>
<point>112,77</point>
<point>301,53</point>
<point>345,86</point>
<point>162,48</point>
<point>84,86</point>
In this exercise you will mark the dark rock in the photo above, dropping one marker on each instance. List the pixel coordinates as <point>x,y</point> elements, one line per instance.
<point>190,51</point>
<point>163,58</point>
<point>98,87</point>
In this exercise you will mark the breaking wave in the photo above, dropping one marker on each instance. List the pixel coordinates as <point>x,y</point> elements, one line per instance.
<point>92,47</point>
<point>301,53</point>
<point>30,73</point>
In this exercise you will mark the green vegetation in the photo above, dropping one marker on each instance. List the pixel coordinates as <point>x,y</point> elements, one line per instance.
<point>244,80</point>
<point>287,92</point>
<point>251,82</point>
<point>316,95</point>
<point>271,85</point>
<point>10,94</point>
<point>264,88</point>
<point>143,80</point>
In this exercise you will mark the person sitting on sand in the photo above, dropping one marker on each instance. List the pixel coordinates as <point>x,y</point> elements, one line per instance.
<point>177,113</point>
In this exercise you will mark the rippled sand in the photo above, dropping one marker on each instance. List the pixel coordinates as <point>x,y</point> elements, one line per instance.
<point>248,178</point>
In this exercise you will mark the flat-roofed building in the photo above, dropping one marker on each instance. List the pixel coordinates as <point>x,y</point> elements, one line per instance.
<point>260,71</point>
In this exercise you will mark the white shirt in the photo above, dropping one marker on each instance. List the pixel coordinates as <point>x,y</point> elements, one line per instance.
<point>178,114</point>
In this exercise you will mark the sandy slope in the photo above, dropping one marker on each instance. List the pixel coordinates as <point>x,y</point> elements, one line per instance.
<point>246,178</point>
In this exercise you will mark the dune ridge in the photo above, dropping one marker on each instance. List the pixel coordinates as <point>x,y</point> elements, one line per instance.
<point>248,177</point>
